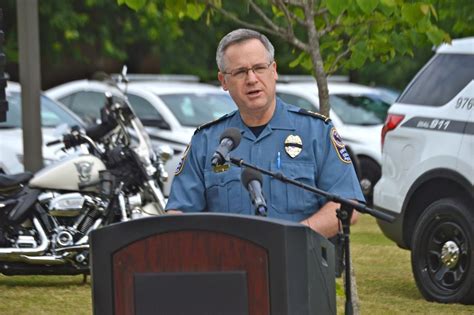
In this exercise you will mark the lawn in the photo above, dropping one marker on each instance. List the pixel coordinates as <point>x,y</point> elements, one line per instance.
<point>384,283</point>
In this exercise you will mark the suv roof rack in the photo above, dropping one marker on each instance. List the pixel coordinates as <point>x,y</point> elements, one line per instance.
<point>137,77</point>
<point>293,78</point>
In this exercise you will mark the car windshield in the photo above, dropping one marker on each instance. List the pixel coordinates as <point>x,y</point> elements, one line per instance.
<point>363,110</point>
<point>52,114</point>
<point>193,110</point>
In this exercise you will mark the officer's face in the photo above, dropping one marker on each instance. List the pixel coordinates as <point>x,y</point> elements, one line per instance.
<point>250,78</point>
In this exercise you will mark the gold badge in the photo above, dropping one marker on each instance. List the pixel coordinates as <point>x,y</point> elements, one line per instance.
<point>293,145</point>
<point>221,168</point>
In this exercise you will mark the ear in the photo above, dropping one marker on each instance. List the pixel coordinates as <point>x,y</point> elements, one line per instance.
<point>221,78</point>
<point>274,68</point>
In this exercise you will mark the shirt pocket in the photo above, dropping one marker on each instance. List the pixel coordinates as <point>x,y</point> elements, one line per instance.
<point>224,191</point>
<point>288,198</point>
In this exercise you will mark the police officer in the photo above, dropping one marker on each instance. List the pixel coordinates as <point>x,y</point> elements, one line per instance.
<point>276,136</point>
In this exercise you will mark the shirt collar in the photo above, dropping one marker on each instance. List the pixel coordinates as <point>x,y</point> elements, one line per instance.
<point>280,120</point>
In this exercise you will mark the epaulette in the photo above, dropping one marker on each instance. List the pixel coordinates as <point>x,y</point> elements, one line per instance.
<point>213,122</point>
<point>314,114</point>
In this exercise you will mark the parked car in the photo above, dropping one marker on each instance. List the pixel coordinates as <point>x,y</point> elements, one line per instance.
<point>53,115</point>
<point>428,174</point>
<point>358,113</point>
<point>170,111</point>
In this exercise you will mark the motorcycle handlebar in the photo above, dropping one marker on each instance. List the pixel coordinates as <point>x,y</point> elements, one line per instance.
<point>50,143</point>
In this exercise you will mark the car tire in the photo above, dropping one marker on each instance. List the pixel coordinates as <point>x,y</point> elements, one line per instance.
<point>442,253</point>
<point>369,174</point>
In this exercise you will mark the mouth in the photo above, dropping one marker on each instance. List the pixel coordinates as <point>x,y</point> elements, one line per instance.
<point>254,93</point>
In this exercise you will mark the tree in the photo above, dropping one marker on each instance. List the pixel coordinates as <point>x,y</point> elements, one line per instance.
<point>456,17</point>
<point>331,34</point>
<point>81,37</point>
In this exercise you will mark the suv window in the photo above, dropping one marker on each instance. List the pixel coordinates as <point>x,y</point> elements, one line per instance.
<point>52,114</point>
<point>85,104</point>
<point>362,110</point>
<point>440,81</point>
<point>143,108</point>
<point>296,100</point>
<point>193,110</point>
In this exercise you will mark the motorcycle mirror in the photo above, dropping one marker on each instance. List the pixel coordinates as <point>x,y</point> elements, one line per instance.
<point>164,152</point>
<point>124,77</point>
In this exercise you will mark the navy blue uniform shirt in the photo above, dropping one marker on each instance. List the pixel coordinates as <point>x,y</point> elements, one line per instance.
<point>295,142</point>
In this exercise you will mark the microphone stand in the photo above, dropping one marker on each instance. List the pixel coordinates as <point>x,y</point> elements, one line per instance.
<point>344,214</point>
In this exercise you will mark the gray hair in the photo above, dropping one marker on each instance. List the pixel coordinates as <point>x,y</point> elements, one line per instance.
<point>238,36</point>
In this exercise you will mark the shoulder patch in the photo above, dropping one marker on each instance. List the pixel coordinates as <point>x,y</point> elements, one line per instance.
<point>180,165</point>
<point>314,114</point>
<point>213,122</point>
<point>339,146</point>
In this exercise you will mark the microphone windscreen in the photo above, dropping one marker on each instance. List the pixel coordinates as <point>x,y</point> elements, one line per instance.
<point>232,134</point>
<point>248,175</point>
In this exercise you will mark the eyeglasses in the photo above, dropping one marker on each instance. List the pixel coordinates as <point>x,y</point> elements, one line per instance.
<point>241,73</point>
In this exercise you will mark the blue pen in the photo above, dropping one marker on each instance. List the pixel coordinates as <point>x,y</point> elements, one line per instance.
<point>278,160</point>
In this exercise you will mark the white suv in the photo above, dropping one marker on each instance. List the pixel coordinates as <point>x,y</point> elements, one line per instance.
<point>427,178</point>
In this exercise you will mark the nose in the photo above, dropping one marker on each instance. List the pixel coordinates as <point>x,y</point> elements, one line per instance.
<point>251,76</point>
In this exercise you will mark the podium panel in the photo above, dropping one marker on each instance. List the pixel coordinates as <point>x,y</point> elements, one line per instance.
<point>193,253</point>
<point>222,292</point>
<point>210,263</point>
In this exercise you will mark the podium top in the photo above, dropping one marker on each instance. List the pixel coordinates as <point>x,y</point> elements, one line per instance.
<point>244,226</point>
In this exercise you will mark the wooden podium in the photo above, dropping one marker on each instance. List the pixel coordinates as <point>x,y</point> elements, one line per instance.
<point>211,263</point>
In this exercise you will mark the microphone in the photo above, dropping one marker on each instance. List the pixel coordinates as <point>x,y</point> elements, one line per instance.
<point>252,181</point>
<point>230,139</point>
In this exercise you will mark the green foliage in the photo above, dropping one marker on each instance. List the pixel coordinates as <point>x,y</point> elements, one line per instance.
<point>367,6</point>
<point>92,28</point>
<point>336,7</point>
<point>181,36</point>
<point>133,4</point>
<point>378,30</point>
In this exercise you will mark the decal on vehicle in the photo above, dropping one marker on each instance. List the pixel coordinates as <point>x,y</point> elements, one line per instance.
<point>84,171</point>
<point>444,125</point>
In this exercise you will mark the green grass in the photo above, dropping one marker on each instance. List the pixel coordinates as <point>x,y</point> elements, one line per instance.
<point>383,275</point>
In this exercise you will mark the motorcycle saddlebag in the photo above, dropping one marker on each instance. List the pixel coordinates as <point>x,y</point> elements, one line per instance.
<point>15,209</point>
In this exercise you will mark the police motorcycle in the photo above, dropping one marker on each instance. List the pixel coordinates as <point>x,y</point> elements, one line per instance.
<point>114,175</point>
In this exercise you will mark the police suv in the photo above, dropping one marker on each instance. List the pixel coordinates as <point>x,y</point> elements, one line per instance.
<point>427,178</point>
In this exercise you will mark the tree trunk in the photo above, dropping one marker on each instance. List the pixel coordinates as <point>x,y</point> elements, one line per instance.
<point>317,60</point>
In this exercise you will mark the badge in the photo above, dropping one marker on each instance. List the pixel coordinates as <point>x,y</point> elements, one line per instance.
<point>221,168</point>
<point>84,169</point>
<point>293,145</point>
<point>180,166</point>
<point>339,146</point>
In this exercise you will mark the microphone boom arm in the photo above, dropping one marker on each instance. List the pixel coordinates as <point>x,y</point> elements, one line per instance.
<point>343,201</point>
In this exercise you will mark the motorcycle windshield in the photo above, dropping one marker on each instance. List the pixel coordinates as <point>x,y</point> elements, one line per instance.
<point>141,144</point>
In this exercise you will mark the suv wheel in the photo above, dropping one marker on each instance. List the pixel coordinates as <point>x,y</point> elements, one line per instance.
<point>369,174</point>
<point>442,252</point>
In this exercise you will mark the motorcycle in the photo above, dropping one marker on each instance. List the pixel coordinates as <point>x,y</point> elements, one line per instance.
<point>113,175</point>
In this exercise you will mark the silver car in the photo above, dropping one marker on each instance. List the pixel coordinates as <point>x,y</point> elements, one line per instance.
<point>53,115</point>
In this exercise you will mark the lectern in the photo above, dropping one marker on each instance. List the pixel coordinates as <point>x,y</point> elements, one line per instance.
<point>210,263</point>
